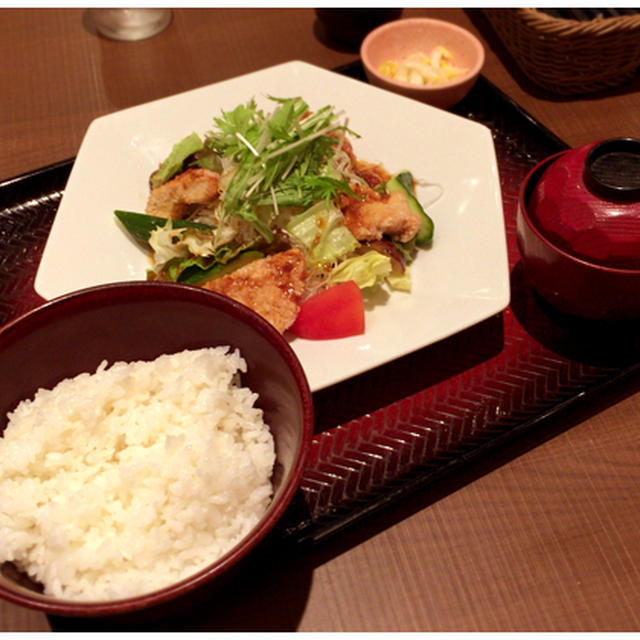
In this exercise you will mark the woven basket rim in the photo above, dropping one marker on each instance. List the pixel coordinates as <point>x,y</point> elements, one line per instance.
<point>538,19</point>
<point>604,51</point>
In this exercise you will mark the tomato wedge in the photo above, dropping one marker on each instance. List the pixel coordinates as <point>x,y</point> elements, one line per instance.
<point>336,312</point>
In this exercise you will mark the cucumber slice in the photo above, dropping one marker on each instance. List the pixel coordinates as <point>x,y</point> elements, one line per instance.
<point>403,182</point>
<point>194,275</point>
<point>140,225</point>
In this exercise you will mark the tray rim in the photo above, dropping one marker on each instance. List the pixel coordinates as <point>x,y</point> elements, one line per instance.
<point>307,531</point>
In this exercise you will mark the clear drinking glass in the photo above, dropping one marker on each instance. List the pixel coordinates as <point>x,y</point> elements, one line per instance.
<point>131,24</point>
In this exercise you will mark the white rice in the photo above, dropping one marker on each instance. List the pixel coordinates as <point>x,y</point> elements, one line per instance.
<point>124,481</point>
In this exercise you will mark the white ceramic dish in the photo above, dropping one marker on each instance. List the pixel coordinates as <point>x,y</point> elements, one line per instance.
<point>460,280</point>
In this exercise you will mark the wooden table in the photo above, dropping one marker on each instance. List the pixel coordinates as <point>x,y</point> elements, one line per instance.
<point>542,536</point>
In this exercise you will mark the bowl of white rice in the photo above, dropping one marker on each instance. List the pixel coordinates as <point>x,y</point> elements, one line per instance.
<point>152,434</point>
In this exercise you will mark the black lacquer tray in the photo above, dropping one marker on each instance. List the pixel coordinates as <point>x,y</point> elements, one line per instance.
<point>397,428</point>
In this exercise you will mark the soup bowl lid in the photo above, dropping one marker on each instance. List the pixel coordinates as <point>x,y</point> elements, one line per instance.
<point>587,202</point>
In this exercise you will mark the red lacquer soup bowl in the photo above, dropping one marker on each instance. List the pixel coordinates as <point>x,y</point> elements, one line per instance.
<point>578,229</point>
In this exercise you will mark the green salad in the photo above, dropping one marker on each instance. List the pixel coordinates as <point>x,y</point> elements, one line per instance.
<point>260,183</point>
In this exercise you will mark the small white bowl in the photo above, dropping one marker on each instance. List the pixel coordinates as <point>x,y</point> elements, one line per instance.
<point>399,39</point>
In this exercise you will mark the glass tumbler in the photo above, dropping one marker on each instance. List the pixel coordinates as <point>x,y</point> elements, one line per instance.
<point>131,24</point>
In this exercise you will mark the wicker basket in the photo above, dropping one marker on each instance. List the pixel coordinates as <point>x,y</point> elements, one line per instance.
<point>570,57</point>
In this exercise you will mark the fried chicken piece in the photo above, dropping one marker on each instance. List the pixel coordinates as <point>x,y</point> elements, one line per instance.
<point>271,286</point>
<point>173,198</point>
<point>379,215</point>
<point>373,174</point>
